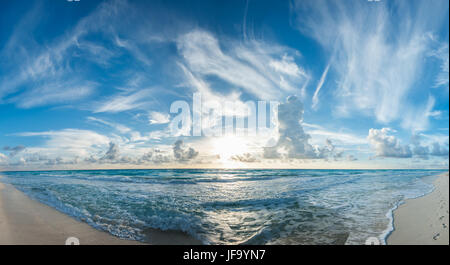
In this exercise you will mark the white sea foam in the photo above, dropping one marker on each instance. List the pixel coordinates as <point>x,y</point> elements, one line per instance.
<point>232,206</point>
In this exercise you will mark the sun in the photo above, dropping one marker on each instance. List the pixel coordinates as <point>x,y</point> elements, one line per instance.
<point>228,146</point>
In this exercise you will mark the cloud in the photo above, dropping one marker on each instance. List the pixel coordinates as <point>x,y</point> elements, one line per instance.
<point>70,142</point>
<point>125,101</point>
<point>60,70</point>
<point>379,52</point>
<point>424,151</point>
<point>418,149</point>
<point>3,159</point>
<point>438,150</point>
<point>119,127</point>
<point>442,55</point>
<point>418,118</point>
<point>263,70</point>
<point>158,117</point>
<point>315,98</point>
<point>387,145</point>
<point>14,150</point>
<point>183,153</point>
<point>351,158</point>
<point>245,158</point>
<point>293,142</point>
<point>112,153</point>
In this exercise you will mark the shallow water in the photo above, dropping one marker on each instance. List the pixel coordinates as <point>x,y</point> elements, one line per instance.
<point>231,206</point>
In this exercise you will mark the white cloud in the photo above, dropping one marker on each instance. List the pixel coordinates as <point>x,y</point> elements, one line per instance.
<point>57,71</point>
<point>70,142</point>
<point>3,158</point>
<point>442,55</point>
<point>387,145</point>
<point>14,150</point>
<point>423,147</point>
<point>315,98</point>
<point>112,153</point>
<point>438,150</point>
<point>183,153</point>
<point>158,117</point>
<point>119,127</point>
<point>125,101</point>
<point>418,118</point>
<point>340,137</point>
<point>293,142</point>
<point>245,158</point>
<point>266,71</point>
<point>378,54</point>
<point>51,93</point>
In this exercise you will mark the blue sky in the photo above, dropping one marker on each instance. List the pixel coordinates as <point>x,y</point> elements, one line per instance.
<point>89,84</point>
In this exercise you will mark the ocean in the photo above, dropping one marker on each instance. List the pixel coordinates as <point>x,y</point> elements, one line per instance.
<point>231,206</point>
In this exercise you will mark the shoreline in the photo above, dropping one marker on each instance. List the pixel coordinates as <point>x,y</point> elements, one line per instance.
<point>24,221</point>
<point>423,220</point>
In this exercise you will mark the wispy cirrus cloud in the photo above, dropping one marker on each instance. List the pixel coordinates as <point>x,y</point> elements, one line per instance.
<point>125,101</point>
<point>315,98</point>
<point>443,56</point>
<point>267,71</point>
<point>119,127</point>
<point>59,70</point>
<point>378,55</point>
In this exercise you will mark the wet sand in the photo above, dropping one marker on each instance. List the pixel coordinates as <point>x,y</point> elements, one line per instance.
<point>24,221</point>
<point>424,220</point>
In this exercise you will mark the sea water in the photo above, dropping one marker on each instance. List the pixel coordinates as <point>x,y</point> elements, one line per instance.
<point>231,206</point>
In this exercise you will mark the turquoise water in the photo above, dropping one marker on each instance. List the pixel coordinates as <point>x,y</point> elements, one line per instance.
<point>231,206</point>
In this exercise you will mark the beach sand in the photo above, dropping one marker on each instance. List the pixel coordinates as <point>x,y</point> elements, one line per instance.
<point>24,221</point>
<point>424,220</point>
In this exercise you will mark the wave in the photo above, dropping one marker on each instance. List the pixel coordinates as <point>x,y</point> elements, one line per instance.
<point>231,206</point>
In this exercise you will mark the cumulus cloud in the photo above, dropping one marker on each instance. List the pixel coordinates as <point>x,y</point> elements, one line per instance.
<point>182,152</point>
<point>245,158</point>
<point>293,142</point>
<point>112,153</point>
<point>424,150</point>
<point>387,145</point>
<point>14,150</point>
<point>155,156</point>
<point>418,149</point>
<point>438,150</point>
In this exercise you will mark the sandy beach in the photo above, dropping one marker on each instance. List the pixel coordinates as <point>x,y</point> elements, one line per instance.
<point>424,220</point>
<point>24,221</point>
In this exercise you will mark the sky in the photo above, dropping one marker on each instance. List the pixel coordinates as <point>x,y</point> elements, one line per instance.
<point>95,84</point>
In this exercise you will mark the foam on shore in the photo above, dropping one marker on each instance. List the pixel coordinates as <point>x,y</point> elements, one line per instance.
<point>423,220</point>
